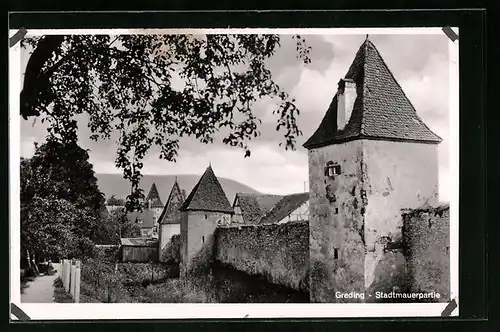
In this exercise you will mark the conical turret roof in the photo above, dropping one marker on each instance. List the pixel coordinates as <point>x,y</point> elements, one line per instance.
<point>153,197</point>
<point>171,212</point>
<point>207,195</point>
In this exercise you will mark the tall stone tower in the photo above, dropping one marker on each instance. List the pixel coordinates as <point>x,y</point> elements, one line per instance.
<point>370,157</point>
<point>206,207</point>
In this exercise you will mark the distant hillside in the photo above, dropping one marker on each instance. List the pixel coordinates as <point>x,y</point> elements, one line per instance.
<point>115,184</point>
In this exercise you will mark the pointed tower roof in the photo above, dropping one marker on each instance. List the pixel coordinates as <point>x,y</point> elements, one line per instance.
<point>381,109</point>
<point>207,195</point>
<point>171,213</point>
<point>154,197</point>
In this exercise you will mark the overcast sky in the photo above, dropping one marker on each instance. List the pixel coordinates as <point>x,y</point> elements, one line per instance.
<point>419,63</point>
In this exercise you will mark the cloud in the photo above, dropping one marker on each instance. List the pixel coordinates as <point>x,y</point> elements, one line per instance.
<point>268,169</point>
<point>419,63</point>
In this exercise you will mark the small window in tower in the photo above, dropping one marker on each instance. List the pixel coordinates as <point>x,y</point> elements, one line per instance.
<point>332,169</point>
<point>336,211</point>
<point>139,220</point>
<point>154,219</point>
<point>202,240</point>
<point>155,229</point>
<point>335,253</point>
<point>206,216</point>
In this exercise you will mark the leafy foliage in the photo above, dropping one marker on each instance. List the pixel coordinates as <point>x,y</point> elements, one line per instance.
<point>155,89</point>
<point>102,279</point>
<point>171,254</point>
<point>115,201</point>
<point>60,294</point>
<point>108,281</point>
<point>55,228</point>
<point>115,226</point>
<point>62,171</point>
<point>61,204</point>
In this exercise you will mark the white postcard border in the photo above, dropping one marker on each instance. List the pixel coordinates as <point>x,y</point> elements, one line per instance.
<point>56,311</point>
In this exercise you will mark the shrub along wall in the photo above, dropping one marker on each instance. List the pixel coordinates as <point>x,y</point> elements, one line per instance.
<point>108,252</point>
<point>280,252</point>
<point>146,273</point>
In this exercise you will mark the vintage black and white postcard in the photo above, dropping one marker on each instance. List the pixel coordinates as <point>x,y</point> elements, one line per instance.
<point>262,173</point>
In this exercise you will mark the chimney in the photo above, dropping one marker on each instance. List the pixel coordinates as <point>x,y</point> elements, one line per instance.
<point>346,95</point>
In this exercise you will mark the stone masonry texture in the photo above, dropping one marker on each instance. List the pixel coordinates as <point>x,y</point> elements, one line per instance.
<point>426,234</point>
<point>280,252</point>
<point>336,218</point>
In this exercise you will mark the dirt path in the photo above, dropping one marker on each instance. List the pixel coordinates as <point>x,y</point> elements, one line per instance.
<point>41,290</point>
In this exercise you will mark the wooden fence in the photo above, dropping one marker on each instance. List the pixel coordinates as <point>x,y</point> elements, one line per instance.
<point>71,276</point>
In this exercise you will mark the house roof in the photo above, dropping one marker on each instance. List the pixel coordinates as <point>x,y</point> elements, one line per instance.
<point>381,109</point>
<point>105,211</point>
<point>255,206</point>
<point>112,208</point>
<point>154,197</point>
<point>171,213</point>
<point>207,195</point>
<point>139,242</point>
<point>146,215</point>
<point>284,207</point>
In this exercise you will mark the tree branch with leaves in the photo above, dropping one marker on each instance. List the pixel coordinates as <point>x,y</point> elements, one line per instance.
<point>152,90</point>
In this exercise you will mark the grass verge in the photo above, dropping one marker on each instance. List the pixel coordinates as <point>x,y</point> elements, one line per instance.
<point>60,294</point>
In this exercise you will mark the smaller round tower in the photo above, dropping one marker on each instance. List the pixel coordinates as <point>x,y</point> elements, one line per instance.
<point>204,208</point>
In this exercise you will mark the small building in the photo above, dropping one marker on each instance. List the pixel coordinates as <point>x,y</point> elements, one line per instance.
<point>139,250</point>
<point>113,208</point>
<point>205,208</point>
<point>145,220</point>
<point>170,218</point>
<point>148,218</point>
<point>250,208</point>
<point>256,209</point>
<point>293,207</point>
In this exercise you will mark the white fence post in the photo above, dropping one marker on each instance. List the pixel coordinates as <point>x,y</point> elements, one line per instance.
<point>61,273</point>
<point>72,286</point>
<point>71,277</point>
<point>77,281</point>
<point>67,275</point>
